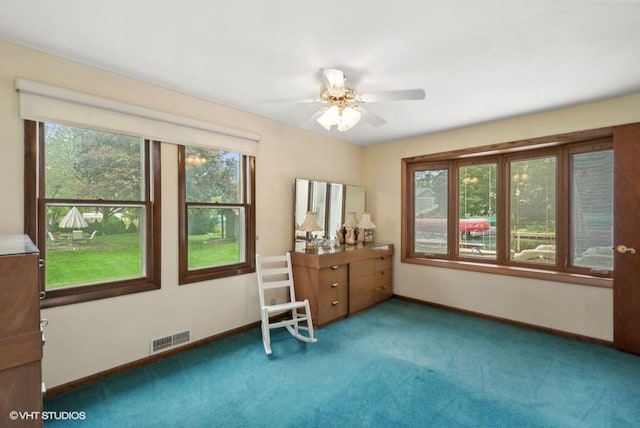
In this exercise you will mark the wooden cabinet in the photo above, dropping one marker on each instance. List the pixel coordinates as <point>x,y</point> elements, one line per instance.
<point>343,281</point>
<point>20,334</point>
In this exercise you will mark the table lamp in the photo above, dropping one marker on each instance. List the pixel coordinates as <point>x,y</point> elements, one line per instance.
<point>367,227</point>
<point>310,224</point>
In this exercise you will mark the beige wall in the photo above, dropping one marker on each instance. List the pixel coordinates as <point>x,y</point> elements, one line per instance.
<point>571,308</point>
<point>86,338</point>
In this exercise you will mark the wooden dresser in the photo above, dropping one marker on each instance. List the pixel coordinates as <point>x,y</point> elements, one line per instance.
<point>344,280</point>
<point>20,334</point>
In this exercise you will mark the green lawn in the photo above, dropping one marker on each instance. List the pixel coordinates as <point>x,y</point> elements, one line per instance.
<point>104,258</point>
<point>205,251</point>
<point>115,257</point>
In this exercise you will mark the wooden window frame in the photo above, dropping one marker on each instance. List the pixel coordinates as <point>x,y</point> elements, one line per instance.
<point>562,146</point>
<point>34,220</point>
<point>186,276</point>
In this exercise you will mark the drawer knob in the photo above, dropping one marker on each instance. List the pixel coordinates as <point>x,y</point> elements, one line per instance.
<point>335,302</point>
<point>335,284</point>
<point>334,267</point>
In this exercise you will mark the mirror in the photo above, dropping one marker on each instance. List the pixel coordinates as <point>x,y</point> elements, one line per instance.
<point>330,202</point>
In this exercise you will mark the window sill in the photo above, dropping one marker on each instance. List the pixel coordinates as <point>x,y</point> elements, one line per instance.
<point>215,273</point>
<point>71,295</point>
<point>523,272</point>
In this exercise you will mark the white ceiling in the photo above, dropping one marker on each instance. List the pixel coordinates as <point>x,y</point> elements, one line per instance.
<point>476,60</point>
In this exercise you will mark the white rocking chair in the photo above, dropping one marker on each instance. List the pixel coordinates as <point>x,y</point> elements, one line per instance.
<point>275,272</point>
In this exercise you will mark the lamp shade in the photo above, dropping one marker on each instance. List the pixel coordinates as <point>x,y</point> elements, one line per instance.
<point>349,117</point>
<point>330,117</point>
<point>365,222</point>
<point>351,221</point>
<point>310,224</point>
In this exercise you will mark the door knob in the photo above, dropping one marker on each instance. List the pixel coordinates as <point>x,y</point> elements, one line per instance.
<point>624,249</point>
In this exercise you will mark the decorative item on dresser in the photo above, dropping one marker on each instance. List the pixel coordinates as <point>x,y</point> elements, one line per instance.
<point>21,336</point>
<point>310,225</point>
<point>351,226</point>
<point>342,281</point>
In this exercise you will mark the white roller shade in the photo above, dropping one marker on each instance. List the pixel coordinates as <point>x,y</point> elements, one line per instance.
<point>46,103</point>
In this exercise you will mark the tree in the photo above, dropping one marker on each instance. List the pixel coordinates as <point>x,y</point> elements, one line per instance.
<point>477,191</point>
<point>212,176</point>
<point>93,165</point>
<point>61,146</point>
<point>533,196</point>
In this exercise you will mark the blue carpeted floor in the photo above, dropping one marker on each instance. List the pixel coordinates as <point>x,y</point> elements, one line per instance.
<point>397,365</point>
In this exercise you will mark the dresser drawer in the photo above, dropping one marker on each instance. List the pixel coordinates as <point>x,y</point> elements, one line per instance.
<point>332,274</point>
<point>332,304</point>
<point>328,293</point>
<point>382,292</point>
<point>383,263</point>
<point>383,277</point>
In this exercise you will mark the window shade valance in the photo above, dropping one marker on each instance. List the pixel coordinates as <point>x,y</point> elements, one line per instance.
<point>42,102</point>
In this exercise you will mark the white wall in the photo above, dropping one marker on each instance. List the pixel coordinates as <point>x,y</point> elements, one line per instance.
<point>86,338</point>
<point>567,307</point>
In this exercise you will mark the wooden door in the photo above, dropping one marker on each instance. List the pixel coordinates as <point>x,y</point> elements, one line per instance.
<point>626,292</point>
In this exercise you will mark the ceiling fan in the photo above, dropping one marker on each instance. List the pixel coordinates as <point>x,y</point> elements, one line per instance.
<point>343,106</point>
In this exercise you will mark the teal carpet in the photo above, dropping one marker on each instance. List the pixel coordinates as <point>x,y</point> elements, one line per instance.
<point>399,364</point>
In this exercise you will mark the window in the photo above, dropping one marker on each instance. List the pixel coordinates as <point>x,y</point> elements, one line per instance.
<point>431,195</point>
<point>539,208</point>
<point>532,209</point>
<point>217,220</point>
<point>94,219</point>
<point>591,209</point>
<point>477,210</point>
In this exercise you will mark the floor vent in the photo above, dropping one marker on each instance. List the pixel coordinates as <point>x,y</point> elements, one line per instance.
<point>168,342</point>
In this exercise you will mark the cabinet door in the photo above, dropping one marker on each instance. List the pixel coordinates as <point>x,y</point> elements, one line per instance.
<point>19,301</point>
<point>361,292</point>
<point>361,268</point>
<point>361,283</point>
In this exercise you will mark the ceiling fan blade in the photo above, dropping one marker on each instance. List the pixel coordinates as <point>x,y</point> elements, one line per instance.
<point>371,118</point>
<point>291,101</point>
<point>334,79</point>
<point>400,95</point>
<point>313,118</point>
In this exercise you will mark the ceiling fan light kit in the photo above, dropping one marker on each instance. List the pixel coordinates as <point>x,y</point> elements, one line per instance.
<point>345,105</point>
<point>342,116</point>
